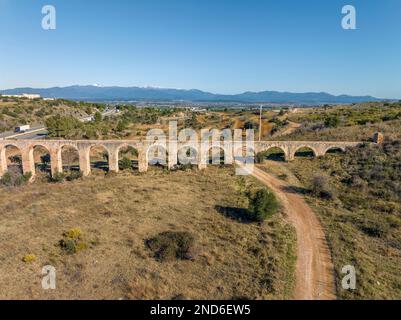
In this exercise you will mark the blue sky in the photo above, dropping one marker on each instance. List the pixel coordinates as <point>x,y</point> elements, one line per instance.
<point>218,46</point>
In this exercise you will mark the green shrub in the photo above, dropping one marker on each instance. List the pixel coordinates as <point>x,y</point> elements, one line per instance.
<point>57,177</point>
<point>7,179</point>
<point>23,179</point>
<point>377,229</point>
<point>320,187</point>
<point>185,167</point>
<point>125,163</point>
<point>73,241</point>
<point>15,180</point>
<point>170,245</point>
<point>262,204</point>
<point>260,157</point>
<point>332,122</point>
<point>74,175</point>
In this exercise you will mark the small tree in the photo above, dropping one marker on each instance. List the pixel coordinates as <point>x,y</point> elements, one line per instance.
<point>125,163</point>
<point>321,187</point>
<point>262,204</point>
<point>121,126</point>
<point>332,122</point>
<point>57,177</point>
<point>97,117</point>
<point>7,179</point>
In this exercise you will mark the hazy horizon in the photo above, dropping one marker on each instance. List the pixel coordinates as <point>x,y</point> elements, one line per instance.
<point>212,92</point>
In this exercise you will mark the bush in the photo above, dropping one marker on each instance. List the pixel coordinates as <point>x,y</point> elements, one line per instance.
<point>15,180</point>
<point>262,204</point>
<point>72,241</point>
<point>74,175</point>
<point>125,163</point>
<point>260,157</point>
<point>23,179</point>
<point>320,187</point>
<point>28,258</point>
<point>377,229</point>
<point>7,179</point>
<point>170,245</point>
<point>57,177</point>
<point>332,122</point>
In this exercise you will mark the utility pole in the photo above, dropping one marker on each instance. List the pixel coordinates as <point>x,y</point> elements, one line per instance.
<point>260,124</point>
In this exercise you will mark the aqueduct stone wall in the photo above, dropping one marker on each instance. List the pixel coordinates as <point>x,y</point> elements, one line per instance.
<point>289,148</point>
<point>112,147</point>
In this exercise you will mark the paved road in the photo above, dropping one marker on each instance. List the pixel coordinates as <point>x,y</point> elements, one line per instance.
<point>40,132</point>
<point>33,133</point>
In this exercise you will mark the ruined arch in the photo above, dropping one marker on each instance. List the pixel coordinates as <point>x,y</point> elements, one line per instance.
<point>125,153</point>
<point>99,157</point>
<point>275,153</point>
<point>305,151</point>
<point>157,155</point>
<point>335,149</point>
<point>69,158</point>
<point>11,155</point>
<point>188,155</point>
<point>245,154</point>
<point>40,155</point>
<point>216,154</point>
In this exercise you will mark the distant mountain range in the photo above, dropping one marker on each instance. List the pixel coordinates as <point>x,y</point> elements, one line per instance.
<point>98,93</point>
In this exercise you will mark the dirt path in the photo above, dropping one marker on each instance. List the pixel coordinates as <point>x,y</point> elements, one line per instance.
<point>291,127</point>
<point>314,267</point>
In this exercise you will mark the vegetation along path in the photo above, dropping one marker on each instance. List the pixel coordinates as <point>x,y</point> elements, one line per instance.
<point>314,267</point>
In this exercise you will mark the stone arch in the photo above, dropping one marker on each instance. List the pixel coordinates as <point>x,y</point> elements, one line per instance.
<point>43,163</point>
<point>130,152</point>
<point>11,158</point>
<point>273,152</point>
<point>68,155</point>
<point>101,156</point>
<point>159,156</point>
<point>244,154</point>
<point>188,154</point>
<point>335,149</point>
<point>216,154</point>
<point>302,151</point>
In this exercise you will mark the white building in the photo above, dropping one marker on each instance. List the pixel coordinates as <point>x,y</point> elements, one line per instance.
<point>24,95</point>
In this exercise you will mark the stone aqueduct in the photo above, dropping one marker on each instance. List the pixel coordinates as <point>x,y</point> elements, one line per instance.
<point>54,147</point>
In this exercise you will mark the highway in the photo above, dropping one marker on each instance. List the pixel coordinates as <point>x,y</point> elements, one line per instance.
<point>40,132</point>
<point>37,132</point>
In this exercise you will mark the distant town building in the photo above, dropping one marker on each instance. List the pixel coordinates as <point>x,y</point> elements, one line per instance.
<point>196,109</point>
<point>24,95</point>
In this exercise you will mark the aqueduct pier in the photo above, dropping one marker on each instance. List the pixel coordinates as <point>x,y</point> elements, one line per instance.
<point>83,147</point>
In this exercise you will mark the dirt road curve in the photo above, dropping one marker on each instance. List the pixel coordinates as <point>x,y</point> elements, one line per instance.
<point>314,267</point>
<point>290,128</point>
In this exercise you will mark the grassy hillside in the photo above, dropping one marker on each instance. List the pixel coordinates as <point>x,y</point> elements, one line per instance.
<point>16,111</point>
<point>357,197</point>
<point>110,219</point>
<point>356,123</point>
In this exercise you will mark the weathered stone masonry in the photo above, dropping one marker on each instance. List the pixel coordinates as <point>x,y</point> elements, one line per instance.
<point>113,147</point>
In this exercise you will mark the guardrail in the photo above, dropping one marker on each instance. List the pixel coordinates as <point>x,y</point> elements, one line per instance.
<point>23,133</point>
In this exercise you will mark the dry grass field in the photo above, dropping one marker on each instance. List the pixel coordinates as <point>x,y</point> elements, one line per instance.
<point>117,213</point>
